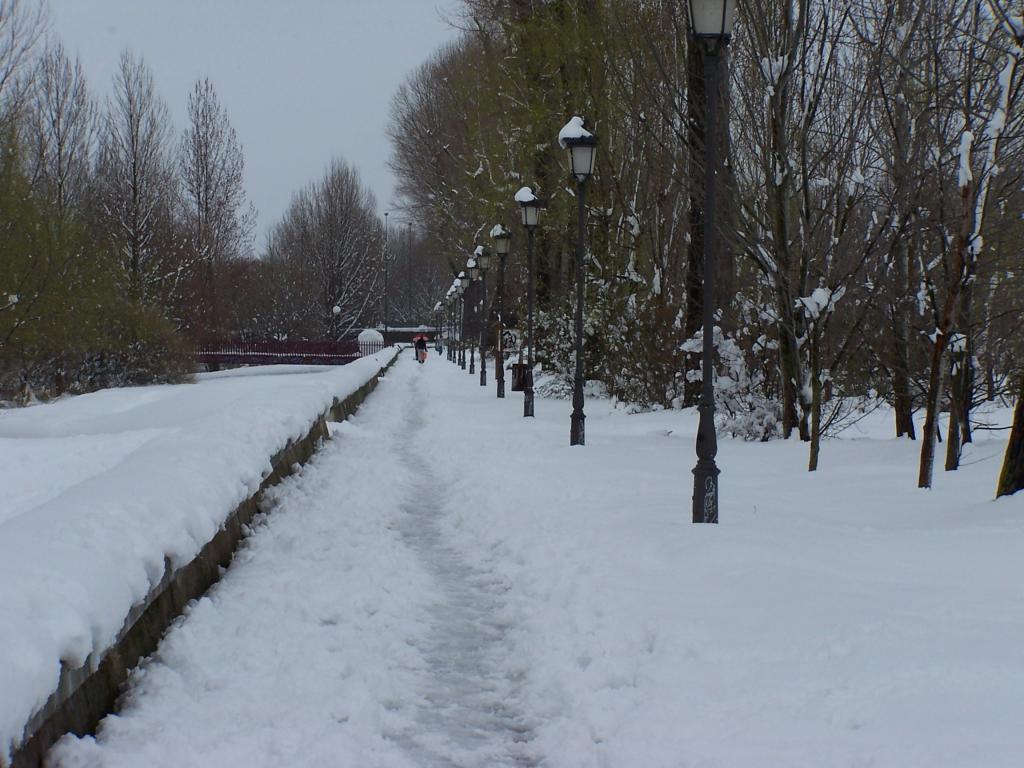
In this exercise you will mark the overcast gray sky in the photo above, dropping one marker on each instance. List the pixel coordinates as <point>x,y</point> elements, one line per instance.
<point>302,80</point>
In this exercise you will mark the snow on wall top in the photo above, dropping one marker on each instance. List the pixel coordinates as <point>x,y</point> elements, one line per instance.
<point>133,476</point>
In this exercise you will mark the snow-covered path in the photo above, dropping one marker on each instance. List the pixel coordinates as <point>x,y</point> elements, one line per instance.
<point>470,714</point>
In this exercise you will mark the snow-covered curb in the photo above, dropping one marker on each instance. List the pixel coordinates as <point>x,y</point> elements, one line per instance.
<point>79,571</point>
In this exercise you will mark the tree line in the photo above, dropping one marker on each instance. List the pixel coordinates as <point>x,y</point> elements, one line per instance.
<point>873,199</point>
<point>117,228</point>
<point>126,241</point>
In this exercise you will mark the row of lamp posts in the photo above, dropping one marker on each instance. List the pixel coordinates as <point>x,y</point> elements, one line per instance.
<point>711,26</point>
<point>582,147</point>
<point>477,267</point>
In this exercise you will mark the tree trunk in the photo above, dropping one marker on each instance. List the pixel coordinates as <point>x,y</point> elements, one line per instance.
<point>965,391</point>
<point>902,400</point>
<point>931,414</point>
<point>953,430</point>
<point>805,419</point>
<point>1011,479</point>
<point>60,384</point>
<point>787,373</point>
<point>904,181</point>
<point>816,395</point>
<point>945,322</point>
<point>903,403</point>
<point>961,383</point>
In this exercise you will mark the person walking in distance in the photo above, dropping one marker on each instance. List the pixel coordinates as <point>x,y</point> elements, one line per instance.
<point>420,344</point>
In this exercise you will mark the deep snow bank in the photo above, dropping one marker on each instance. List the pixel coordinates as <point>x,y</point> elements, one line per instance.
<point>105,493</point>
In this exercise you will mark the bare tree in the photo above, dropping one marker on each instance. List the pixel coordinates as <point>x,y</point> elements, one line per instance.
<point>887,30</point>
<point>22,24</point>
<point>218,220</point>
<point>978,57</point>
<point>327,248</point>
<point>61,130</point>
<point>1011,478</point>
<point>137,182</point>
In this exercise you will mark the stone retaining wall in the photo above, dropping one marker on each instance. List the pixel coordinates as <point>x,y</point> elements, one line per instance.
<point>86,694</point>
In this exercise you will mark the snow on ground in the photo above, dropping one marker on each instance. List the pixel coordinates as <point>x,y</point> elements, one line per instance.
<point>449,584</point>
<point>99,489</point>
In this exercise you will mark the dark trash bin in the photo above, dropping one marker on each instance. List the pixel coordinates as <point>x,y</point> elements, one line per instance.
<point>521,377</point>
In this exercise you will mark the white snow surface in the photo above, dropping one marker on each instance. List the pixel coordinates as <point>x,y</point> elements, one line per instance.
<point>99,490</point>
<point>450,584</point>
<point>572,130</point>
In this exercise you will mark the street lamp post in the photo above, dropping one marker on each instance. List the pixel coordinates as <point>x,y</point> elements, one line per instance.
<point>453,304</point>
<point>530,207</point>
<point>473,273</point>
<point>483,258</point>
<point>438,320</point>
<point>448,324</point>
<point>463,286</point>
<point>460,325</point>
<point>582,146</point>
<point>502,243</point>
<point>460,328</point>
<point>453,315</point>
<point>711,25</point>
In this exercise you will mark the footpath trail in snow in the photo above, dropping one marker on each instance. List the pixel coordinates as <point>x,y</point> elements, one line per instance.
<point>470,715</point>
<point>348,631</point>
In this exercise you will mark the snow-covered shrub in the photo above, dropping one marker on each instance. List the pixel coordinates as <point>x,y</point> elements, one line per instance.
<point>136,346</point>
<point>632,348</point>
<point>743,405</point>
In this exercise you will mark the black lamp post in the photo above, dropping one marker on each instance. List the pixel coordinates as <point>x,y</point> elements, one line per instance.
<point>582,146</point>
<point>473,273</point>
<point>711,25</point>
<point>483,259</point>
<point>453,325</point>
<point>463,285</point>
<point>453,308</point>
<point>530,207</point>
<point>438,317</point>
<point>448,322</point>
<point>458,327</point>
<point>502,243</point>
